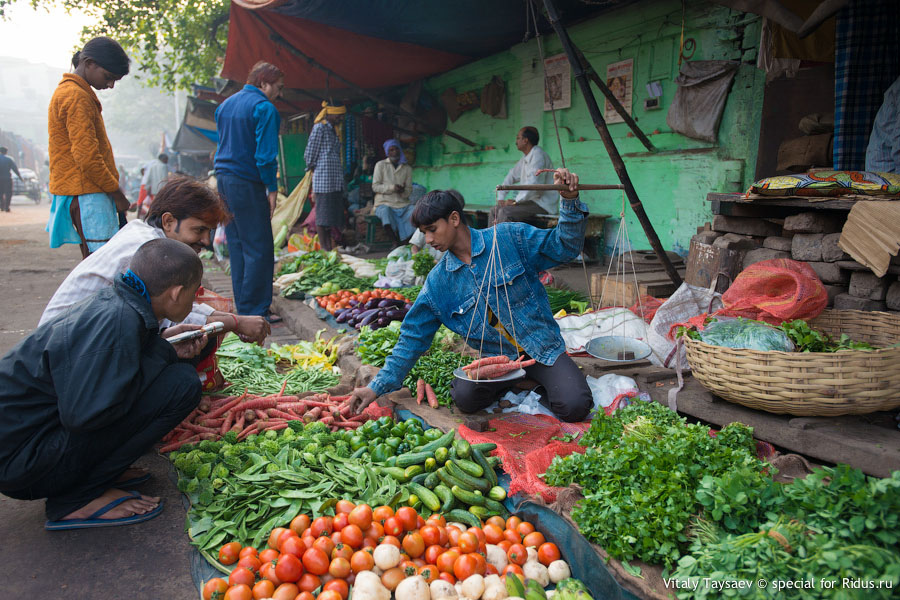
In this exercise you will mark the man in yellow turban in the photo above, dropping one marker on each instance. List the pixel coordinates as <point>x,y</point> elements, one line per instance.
<point>323,157</point>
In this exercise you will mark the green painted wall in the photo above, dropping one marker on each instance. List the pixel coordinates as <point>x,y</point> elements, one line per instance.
<point>672,183</point>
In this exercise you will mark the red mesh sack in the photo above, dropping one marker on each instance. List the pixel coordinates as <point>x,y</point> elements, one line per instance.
<point>774,291</point>
<point>524,446</point>
<point>646,307</point>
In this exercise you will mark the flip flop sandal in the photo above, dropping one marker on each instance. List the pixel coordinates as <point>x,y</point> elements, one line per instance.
<point>133,481</point>
<point>95,521</point>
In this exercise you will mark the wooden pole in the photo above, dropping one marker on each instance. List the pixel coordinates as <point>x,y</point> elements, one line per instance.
<point>279,39</point>
<point>614,156</point>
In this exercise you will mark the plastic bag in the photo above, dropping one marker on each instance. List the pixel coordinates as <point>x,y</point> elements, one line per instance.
<point>608,388</point>
<point>578,330</point>
<point>747,334</point>
<point>687,301</point>
<point>400,253</point>
<point>401,270</point>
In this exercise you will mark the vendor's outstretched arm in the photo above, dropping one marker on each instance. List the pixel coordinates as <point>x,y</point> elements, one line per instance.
<point>546,248</point>
<point>416,334</point>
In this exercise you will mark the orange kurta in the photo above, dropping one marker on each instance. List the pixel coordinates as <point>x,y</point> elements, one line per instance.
<point>81,158</point>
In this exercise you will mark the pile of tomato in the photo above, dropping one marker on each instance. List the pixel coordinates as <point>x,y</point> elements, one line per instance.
<point>323,555</point>
<point>338,300</point>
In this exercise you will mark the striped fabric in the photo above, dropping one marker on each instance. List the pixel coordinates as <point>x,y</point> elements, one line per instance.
<point>866,62</point>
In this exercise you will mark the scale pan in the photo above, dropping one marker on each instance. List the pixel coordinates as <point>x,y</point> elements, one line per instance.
<point>616,348</point>
<point>512,375</point>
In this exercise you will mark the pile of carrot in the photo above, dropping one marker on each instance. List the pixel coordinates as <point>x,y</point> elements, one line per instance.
<point>425,391</point>
<point>492,367</point>
<point>248,414</point>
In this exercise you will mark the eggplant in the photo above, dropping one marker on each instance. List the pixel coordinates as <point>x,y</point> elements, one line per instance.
<point>390,302</point>
<point>407,306</point>
<point>382,321</point>
<point>342,315</point>
<point>369,316</point>
<point>392,314</point>
<point>353,302</point>
<point>373,303</point>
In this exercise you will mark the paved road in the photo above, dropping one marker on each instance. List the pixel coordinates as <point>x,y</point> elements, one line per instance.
<point>149,560</point>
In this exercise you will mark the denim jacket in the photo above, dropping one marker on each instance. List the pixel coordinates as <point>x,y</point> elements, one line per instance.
<point>454,294</point>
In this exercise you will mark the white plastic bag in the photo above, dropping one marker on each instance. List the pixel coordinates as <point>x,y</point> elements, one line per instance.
<point>401,270</point>
<point>578,330</point>
<point>687,301</point>
<point>605,389</point>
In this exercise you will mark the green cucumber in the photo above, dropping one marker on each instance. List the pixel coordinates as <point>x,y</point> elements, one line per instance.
<point>395,472</point>
<point>480,512</point>
<point>446,496</point>
<point>472,468</point>
<point>495,506</point>
<point>463,448</point>
<point>442,442</point>
<point>497,493</point>
<point>413,470</point>
<point>466,497</point>
<point>485,447</point>
<point>430,464</point>
<point>495,461</point>
<point>449,480</point>
<point>479,457</point>
<point>427,497</point>
<point>413,458</point>
<point>420,478</point>
<point>457,515</point>
<point>431,480</point>
<point>475,483</point>
<point>440,455</point>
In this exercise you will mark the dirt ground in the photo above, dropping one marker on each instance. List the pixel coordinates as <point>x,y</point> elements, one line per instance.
<point>148,560</point>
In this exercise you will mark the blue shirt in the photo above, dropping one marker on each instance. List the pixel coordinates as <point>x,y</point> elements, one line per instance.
<point>248,126</point>
<point>6,166</point>
<point>323,157</point>
<point>454,294</point>
<point>883,152</point>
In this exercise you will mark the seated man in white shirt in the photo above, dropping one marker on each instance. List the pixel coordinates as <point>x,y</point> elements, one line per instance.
<point>527,204</point>
<point>392,184</point>
<point>185,210</point>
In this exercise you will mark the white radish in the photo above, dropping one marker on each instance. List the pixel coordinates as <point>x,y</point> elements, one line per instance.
<point>559,570</point>
<point>472,587</point>
<point>497,557</point>
<point>442,589</point>
<point>538,572</point>
<point>413,588</point>
<point>387,556</point>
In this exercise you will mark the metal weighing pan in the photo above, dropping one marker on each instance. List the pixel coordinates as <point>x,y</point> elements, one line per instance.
<point>616,348</point>
<point>511,376</point>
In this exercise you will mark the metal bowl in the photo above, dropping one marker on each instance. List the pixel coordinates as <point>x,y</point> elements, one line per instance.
<point>617,348</point>
<point>511,376</point>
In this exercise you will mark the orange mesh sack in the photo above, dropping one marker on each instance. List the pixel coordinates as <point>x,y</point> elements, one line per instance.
<point>774,291</point>
<point>525,446</point>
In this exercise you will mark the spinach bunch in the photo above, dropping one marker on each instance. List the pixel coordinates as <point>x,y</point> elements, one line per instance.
<point>807,339</point>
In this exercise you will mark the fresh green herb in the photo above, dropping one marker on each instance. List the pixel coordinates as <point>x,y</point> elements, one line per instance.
<point>807,339</point>
<point>423,262</point>
<point>563,299</point>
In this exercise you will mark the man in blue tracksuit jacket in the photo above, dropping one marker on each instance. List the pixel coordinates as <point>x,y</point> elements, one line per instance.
<point>246,169</point>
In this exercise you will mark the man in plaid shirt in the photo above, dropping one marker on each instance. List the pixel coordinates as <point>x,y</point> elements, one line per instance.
<point>323,157</point>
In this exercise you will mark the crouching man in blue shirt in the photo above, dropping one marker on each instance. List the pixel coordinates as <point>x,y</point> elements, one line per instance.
<point>91,390</point>
<point>494,299</point>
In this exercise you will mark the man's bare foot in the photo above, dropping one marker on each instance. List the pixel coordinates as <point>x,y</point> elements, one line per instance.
<point>132,473</point>
<point>135,506</point>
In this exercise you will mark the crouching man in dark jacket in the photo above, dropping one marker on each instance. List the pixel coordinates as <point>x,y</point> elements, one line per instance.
<point>91,390</point>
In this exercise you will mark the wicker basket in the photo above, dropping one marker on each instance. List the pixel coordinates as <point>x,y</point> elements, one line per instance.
<point>849,382</point>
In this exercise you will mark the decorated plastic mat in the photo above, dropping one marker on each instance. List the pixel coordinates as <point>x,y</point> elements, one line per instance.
<point>526,445</point>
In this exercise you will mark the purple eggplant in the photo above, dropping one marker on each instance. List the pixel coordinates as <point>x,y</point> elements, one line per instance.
<point>369,316</point>
<point>382,321</point>
<point>392,313</point>
<point>390,303</point>
<point>373,303</point>
<point>407,306</point>
<point>342,315</point>
<point>353,302</point>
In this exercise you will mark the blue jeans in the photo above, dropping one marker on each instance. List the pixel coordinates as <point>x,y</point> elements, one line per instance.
<point>250,244</point>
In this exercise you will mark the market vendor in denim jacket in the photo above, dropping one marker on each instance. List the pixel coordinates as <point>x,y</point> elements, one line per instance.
<point>506,313</point>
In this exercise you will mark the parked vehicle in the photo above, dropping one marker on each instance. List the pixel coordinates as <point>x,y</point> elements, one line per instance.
<point>28,185</point>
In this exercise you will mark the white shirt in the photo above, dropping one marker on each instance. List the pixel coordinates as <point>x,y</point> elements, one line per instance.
<point>524,173</point>
<point>385,177</point>
<point>155,176</point>
<point>100,269</point>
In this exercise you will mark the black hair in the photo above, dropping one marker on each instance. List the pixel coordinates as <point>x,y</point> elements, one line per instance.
<point>185,197</point>
<point>531,134</point>
<point>436,205</point>
<point>107,53</point>
<point>163,157</point>
<point>164,263</point>
<point>3,150</point>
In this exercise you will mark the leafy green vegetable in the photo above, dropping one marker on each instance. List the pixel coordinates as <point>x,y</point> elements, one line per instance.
<point>565,299</point>
<point>423,262</point>
<point>808,339</point>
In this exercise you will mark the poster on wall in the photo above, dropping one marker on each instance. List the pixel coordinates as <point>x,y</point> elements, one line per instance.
<point>619,80</point>
<point>557,82</point>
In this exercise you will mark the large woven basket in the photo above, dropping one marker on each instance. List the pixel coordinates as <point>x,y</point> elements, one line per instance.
<point>849,382</point>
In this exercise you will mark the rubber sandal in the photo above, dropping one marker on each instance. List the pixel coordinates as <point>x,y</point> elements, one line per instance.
<point>95,521</point>
<point>272,318</point>
<point>133,481</point>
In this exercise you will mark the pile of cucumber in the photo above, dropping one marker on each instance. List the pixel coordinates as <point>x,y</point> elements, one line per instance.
<point>453,477</point>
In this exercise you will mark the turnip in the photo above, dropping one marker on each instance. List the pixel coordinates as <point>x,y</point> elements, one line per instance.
<point>532,554</point>
<point>472,587</point>
<point>497,557</point>
<point>558,570</point>
<point>413,588</point>
<point>441,589</point>
<point>387,556</point>
<point>494,588</point>
<point>368,586</point>
<point>538,572</point>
